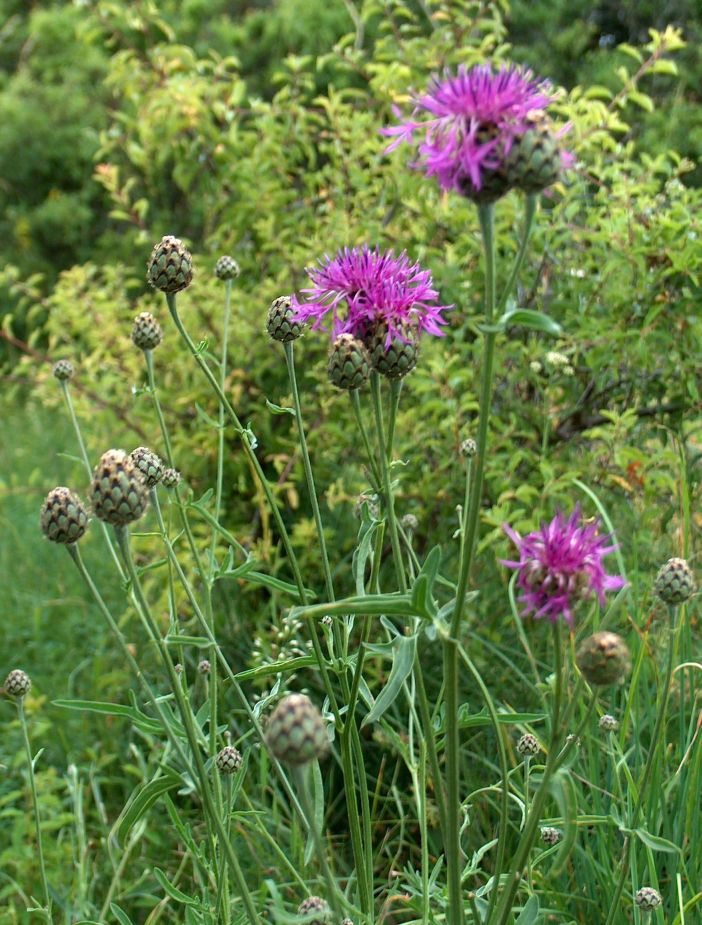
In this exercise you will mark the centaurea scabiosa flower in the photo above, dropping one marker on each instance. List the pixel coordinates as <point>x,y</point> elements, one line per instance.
<point>561,564</point>
<point>360,289</point>
<point>472,121</point>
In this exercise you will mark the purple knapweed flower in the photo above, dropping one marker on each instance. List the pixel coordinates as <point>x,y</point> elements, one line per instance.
<point>469,122</point>
<point>561,564</point>
<point>360,288</point>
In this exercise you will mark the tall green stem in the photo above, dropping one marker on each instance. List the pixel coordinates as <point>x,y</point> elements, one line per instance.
<point>35,808</point>
<point>555,759</point>
<point>311,489</point>
<point>532,201</point>
<point>358,414</point>
<point>385,475</point>
<point>452,845</point>
<point>648,768</point>
<point>88,468</point>
<point>246,446</point>
<point>189,727</point>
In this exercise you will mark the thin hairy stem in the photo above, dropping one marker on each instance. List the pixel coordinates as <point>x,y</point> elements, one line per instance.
<point>245,438</point>
<point>387,487</point>
<point>35,809</point>
<point>452,841</point>
<point>307,465</point>
<point>189,727</point>
<point>648,768</point>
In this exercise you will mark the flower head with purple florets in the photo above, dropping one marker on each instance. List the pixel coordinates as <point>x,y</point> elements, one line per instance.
<point>560,565</point>
<point>469,122</point>
<point>360,288</point>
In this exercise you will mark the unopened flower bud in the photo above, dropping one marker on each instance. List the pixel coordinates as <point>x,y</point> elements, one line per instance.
<point>648,899</point>
<point>204,666</point>
<point>528,745</point>
<point>118,493</point>
<point>146,332</point>
<point>281,324</point>
<point>551,836</point>
<point>228,760</point>
<point>171,478</point>
<point>349,364</point>
<point>675,582</point>
<point>608,723</point>
<point>468,448</point>
<point>63,516</point>
<point>170,267</point>
<point>17,683</point>
<point>603,658</point>
<point>296,732</point>
<point>63,370</point>
<point>226,268</point>
<point>316,906</point>
<point>149,464</point>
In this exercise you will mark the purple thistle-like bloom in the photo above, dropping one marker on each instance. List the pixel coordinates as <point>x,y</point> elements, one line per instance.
<point>361,288</point>
<point>475,116</point>
<point>561,564</point>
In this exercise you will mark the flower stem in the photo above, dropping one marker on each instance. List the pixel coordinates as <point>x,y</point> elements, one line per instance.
<point>246,445</point>
<point>189,727</point>
<point>372,463</point>
<point>530,207</point>
<point>385,475</point>
<point>395,392</point>
<point>504,771</point>
<point>88,468</point>
<point>556,757</point>
<point>35,808</point>
<point>311,490</point>
<point>648,768</point>
<point>302,778</point>
<point>452,841</point>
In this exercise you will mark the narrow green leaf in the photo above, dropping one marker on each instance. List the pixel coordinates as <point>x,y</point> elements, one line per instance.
<point>200,642</point>
<point>278,409</point>
<point>141,720</point>
<point>656,843</point>
<point>142,800</point>
<point>120,914</point>
<point>405,648</point>
<point>173,891</point>
<point>528,318</point>
<point>530,913</point>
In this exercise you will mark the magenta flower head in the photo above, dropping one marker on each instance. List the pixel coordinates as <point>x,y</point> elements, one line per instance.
<point>362,289</point>
<point>472,126</point>
<point>560,565</point>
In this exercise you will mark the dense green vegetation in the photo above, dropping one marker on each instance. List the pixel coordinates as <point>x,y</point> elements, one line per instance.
<point>253,129</point>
